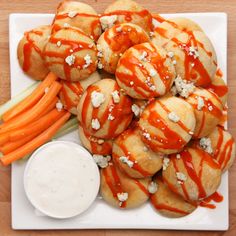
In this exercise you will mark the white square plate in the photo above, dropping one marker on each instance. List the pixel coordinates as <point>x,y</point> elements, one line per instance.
<point>101,215</point>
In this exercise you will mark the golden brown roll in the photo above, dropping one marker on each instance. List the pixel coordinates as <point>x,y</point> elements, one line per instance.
<point>219,86</point>
<point>193,174</point>
<point>120,191</point>
<point>103,110</point>
<point>167,124</point>
<point>194,57</point>
<point>222,146</point>
<point>169,203</point>
<point>72,91</point>
<point>30,52</point>
<point>95,145</point>
<point>71,54</point>
<point>127,11</point>
<point>133,157</point>
<point>168,29</point>
<point>77,14</point>
<point>115,41</point>
<point>207,109</point>
<point>144,71</point>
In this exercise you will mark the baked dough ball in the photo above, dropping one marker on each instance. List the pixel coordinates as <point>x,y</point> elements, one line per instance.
<point>30,52</point>
<point>169,203</point>
<point>71,54</point>
<point>222,146</point>
<point>167,124</point>
<point>219,87</point>
<point>144,71</point>
<point>72,91</point>
<point>77,14</point>
<point>95,145</point>
<point>118,190</point>
<point>123,11</point>
<point>193,174</point>
<point>103,110</point>
<point>115,41</point>
<point>207,109</point>
<point>194,57</point>
<point>133,157</point>
<point>168,29</point>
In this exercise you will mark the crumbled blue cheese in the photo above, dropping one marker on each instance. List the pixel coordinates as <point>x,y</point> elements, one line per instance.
<point>115,96</point>
<point>173,117</point>
<point>108,21</point>
<point>165,163</point>
<point>135,109</point>
<point>178,156</point>
<point>152,187</point>
<point>182,87</point>
<point>70,60</point>
<point>72,14</point>
<point>101,161</point>
<point>205,144</point>
<point>58,43</point>
<point>88,61</point>
<point>147,136</point>
<point>110,117</point>
<point>96,124</point>
<point>152,72</point>
<point>170,54</point>
<point>97,99</point>
<point>66,25</point>
<point>59,106</point>
<point>126,161</point>
<point>122,197</point>
<point>200,103</point>
<point>193,51</point>
<point>181,177</point>
<point>143,56</point>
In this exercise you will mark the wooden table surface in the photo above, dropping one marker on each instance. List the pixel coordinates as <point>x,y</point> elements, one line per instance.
<point>161,6</point>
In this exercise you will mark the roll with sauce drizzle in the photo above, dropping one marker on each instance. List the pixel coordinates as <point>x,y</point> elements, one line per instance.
<point>104,111</point>
<point>115,41</point>
<point>193,174</point>
<point>219,86</point>
<point>71,54</point>
<point>71,92</point>
<point>207,109</point>
<point>77,14</point>
<point>127,11</point>
<point>167,124</point>
<point>95,145</point>
<point>145,71</point>
<point>168,29</point>
<point>120,191</point>
<point>223,147</point>
<point>168,203</point>
<point>194,57</point>
<point>30,52</point>
<point>133,157</point>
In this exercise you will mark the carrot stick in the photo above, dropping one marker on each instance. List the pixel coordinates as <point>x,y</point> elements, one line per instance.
<point>35,143</point>
<point>32,99</point>
<point>40,124</point>
<point>36,111</point>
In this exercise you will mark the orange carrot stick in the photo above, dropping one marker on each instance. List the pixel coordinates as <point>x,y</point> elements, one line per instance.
<point>34,112</point>
<point>32,99</point>
<point>40,124</point>
<point>35,143</point>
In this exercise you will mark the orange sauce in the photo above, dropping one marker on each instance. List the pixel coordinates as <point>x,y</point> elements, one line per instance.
<point>216,197</point>
<point>132,63</point>
<point>29,47</point>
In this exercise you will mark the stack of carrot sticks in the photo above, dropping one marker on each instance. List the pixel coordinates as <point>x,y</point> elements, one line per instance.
<point>32,122</point>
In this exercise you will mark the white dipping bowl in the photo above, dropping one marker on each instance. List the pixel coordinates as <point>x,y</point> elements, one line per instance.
<point>61,179</point>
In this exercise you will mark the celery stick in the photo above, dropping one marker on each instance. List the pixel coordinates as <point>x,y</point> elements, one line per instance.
<point>68,124</point>
<point>65,131</point>
<point>18,98</point>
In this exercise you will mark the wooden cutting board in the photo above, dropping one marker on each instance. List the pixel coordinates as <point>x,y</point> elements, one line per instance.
<point>158,6</point>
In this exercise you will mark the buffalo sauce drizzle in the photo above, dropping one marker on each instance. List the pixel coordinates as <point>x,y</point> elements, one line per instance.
<point>94,23</point>
<point>28,47</point>
<point>172,140</point>
<point>120,111</point>
<point>66,89</point>
<point>121,143</point>
<point>131,63</point>
<point>216,197</point>
<point>71,47</point>
<point>223,152</point>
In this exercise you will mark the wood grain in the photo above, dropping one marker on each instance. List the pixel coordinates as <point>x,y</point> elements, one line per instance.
<point>161,6</point>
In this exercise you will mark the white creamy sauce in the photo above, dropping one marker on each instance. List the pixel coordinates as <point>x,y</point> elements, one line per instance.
<point>61,179</point>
